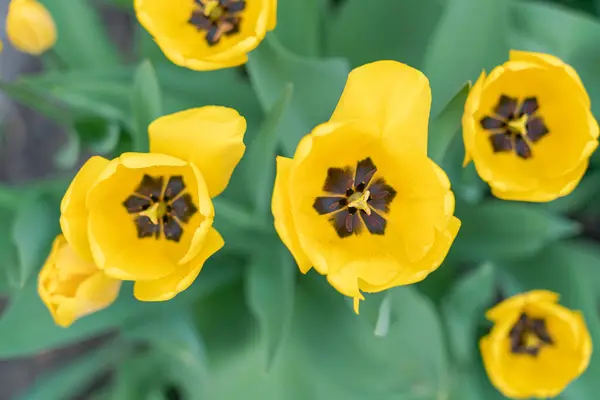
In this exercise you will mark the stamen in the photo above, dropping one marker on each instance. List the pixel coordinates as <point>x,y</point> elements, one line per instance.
<point>359,200</point>
<point>519,125</point>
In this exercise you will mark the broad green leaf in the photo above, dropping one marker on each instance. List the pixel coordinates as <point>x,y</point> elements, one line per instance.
<point>331,353</point>
<point>445,127</point>
<point>258,163</point>
<point>558,268</point>
<point>179,349</point>
<point>34,228</point>
<point>26,336</point>
<point>472,35</point>
<point>318,83</point>
<point>68,381</point>
<point>270,284</point>
<point>299,26</point>
<point>464,307</point>
<point>145,104</point>
<point>409,362</point>
<point>367,31</point>
<point>498,230</point>
<point>82,41</point>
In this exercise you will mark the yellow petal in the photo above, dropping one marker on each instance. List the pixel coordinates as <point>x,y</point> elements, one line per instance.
<point>72,287</point>
<point>468,122</point>
<point>30,27</point>
<point>548,60</point>
<point>114,240</point>
<point>392,95</point>
<point>186,45</point>
<point>284,222</point>
<point>74,213</point>
<point>272,15</point>
<point>554,167</point>
<point>210,137</point>
<point>546,191</point>
<point>169,286</point>
<point>518,302</point>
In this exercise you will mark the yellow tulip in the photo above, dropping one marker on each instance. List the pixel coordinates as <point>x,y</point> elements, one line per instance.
<point>72,287</point>
<point>207,34</point>
<point>147,217</point>
<point>30,27</point>
<point>529,128</point>
<point>361,201</point>
<point>536,347</point>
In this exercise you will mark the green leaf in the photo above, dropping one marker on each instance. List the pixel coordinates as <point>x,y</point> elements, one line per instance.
<point>26,336</point>
<point>583,198</point>
<point>409,362</point>
<point>34,228</point>
<point>100,135</point>
<point>481,28</point>
<point>299,25</point>
<point>497,230</point>
<point>82,41</point>
<point>146,104</point>
<point>466,184</point>
<point>258,163</point>
<point>179,350</point>
<point>270,283</point>
<point>67,156</point>
<point>446,125</point>
<point>318,84</point>
<point>67,381</point>
<point>383,30</point>
<point>464,307</point>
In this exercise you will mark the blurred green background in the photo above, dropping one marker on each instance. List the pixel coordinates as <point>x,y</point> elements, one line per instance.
<point>251,327</point>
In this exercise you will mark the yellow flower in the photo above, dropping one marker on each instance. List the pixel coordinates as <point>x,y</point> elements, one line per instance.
<point>148,217</point>
<point>207,34</point>
<point>361,201</point>
<point>536,347</point>
<point>72,287</point>
<point>30,27</point>
<point>529,128</point>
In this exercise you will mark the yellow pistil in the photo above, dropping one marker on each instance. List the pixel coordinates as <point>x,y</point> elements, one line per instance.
<point>359,200</point>
<point>212,10</point>
<point>532,340</point>
<point>519,125</point>
<point>155,212</point>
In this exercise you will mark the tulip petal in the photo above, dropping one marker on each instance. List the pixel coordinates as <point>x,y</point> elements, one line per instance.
<point>74,213</point>
<point>210,137</point>
<point>169,286</point>
<point>394,96</point>
<point>284,221</point>
<point>548,60</point>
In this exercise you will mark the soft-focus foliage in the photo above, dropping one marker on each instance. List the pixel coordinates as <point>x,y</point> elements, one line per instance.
<point>250,326</point>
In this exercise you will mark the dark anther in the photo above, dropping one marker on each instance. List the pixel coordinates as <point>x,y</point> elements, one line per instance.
<point>355,200</point>
<point>156,210</point>
<point>222,20</point>
<point>515,127</point>
<point>522,148</point>
<point>507,107</point>
<point>526,328</point>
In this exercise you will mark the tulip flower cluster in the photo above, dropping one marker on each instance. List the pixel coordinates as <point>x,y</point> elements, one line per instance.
<point>361,200</point>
